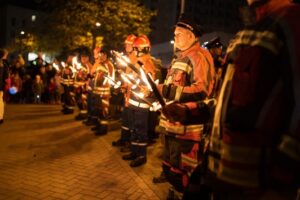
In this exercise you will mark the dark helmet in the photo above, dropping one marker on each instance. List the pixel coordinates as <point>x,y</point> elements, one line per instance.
<point>189,23</point>
<point>213,43</point>
<point>85,51</point>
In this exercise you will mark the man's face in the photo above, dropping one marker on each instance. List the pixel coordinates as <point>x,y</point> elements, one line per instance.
<point>183,38</point>
<point>84,59</point>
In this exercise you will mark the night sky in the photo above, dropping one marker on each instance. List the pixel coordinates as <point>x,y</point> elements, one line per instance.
<point>21,3</point>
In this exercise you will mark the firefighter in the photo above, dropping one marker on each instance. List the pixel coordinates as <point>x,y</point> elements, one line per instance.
<point>101,91</point>
<point>67,81</point>
<point>124,140</point>
<point>80,81</point>
<point>215,47</point>
<point>254,144</point>
<point>190,79</point>
<point>138,109</point>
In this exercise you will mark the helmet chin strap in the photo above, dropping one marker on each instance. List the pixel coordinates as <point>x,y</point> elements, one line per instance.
<point>196,40</point>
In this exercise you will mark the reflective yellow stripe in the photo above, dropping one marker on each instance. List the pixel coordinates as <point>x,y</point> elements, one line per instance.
<point>105,102</point>
<point>104,122</point>
<point>186,160</point>
<point>245,155</point>
<point>66,81</point>
<point>290,146</point>
<point>101,90</point>
<point>247,178</point>
<point>182,66</point>
<point>139,143</point>
<point>138,104</point>
<point>179,90</point>
<point>180,129</point>
<point>77,84</point>
<point>265,39</point>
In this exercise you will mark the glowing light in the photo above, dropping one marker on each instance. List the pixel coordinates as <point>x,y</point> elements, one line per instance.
<point>55,66</point>
<point>22,32</point>
<point>32,56</point>
<point>75,63</point>
<point>98,24</point>
<point>172,41</point>
<point>13,90</point>
<point>145,80</point>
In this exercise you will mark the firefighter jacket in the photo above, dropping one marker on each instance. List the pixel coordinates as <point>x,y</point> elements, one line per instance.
<point>149,68</point>
<point>80,77</point>
<point>257,114</point>
<point>126,86</point>
<point>101,85</point>
<point>190,79</point>
<point>67,76</point>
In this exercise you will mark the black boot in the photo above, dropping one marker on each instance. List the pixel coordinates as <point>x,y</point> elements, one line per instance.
<point>125,148</point>
<point>130,156</point>
<point>118,143</point>
<point>138,161</point>
<point>101,131</point>
<point>80,117</point>
<point>160,179</point>
<point>68,111</point>
<point>92,122</point>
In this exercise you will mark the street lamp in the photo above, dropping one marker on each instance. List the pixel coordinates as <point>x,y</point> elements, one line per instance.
<point>95,33</point>
<point>98,24</point>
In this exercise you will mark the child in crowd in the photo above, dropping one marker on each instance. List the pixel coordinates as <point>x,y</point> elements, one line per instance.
<point>37,89</point>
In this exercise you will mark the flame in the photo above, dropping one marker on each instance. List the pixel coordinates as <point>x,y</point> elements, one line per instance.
<point>112,82</point>
<point>121,62</point>
<point>123,76</point>
<point>139,94</point>
<point>55,66</point>
<point>145,80</point>
<point>75,63</point>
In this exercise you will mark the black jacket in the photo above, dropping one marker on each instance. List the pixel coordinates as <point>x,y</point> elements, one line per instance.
<point>3,73</point>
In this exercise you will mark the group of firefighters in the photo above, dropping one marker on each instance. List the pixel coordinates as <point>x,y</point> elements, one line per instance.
<point>215,122</point>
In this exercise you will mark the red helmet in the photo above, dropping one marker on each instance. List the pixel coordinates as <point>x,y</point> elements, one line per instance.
<point>130,39</point>
<point>142,42</point>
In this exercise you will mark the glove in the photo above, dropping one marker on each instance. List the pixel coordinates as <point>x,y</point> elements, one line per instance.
<point>176,112</point>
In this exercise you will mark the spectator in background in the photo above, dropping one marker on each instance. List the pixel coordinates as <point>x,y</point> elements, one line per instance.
<point>3,78</point>
<point>16,88</point>
<point>18,66</point>
<point>26,93</point>
<point>37,89</point>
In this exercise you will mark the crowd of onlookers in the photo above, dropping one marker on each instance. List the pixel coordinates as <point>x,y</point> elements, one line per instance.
<point>34,82</point>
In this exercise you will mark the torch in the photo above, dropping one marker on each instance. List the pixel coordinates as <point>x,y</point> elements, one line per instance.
<point>149,80</point>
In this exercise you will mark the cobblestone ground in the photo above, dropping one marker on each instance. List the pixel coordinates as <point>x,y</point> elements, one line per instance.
<point>47,155</point>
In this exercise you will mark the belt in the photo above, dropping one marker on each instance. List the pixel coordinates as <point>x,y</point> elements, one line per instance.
<point>138,104</point>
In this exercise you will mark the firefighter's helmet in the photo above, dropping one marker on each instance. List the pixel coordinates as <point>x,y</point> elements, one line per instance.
<point>130,39</point>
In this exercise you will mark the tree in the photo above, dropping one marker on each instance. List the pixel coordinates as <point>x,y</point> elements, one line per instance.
<point>73,23</point>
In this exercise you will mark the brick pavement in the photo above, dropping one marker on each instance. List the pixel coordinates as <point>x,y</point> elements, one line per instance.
<point>47,155</point>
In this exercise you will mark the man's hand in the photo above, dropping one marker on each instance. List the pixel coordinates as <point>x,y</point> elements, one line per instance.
<point>176,112</point>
